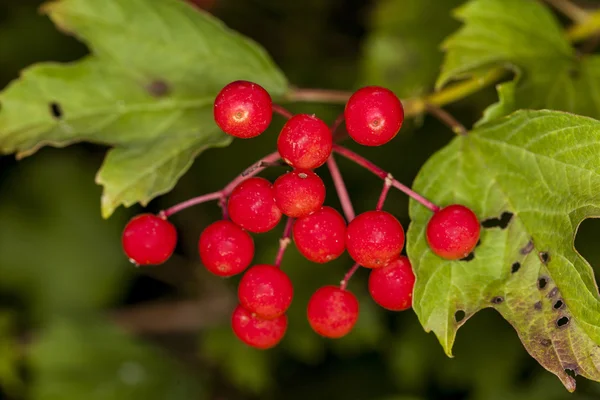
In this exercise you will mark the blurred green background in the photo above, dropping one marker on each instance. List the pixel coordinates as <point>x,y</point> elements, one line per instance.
<point>77,321</point>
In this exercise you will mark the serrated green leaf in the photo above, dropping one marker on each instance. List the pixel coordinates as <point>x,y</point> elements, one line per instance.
<point>543,168</point>
<point>524,36</point>
<point>402,51</point>
<point>156,68</point>
<point>90,359</point>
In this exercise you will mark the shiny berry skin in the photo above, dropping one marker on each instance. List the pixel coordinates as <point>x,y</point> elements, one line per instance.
<point>251,205</point>
<point>321,236</point>
<point>256,331</point>
<point>332,312</point>
<point>374,238</point>
<point>453,232</point>
<point>243,109</point>
<point>305,142</point>
<point>392,286</point>
<point>149,240</point>
<point>266,291</point>
<point>373,115</point>
<point>225,248</point>
<point>299,193</point>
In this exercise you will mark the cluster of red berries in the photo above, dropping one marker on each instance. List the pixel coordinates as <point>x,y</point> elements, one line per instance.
<point>374,239</point>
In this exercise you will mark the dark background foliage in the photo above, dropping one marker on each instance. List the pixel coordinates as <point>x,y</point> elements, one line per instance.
<point>66,287</point>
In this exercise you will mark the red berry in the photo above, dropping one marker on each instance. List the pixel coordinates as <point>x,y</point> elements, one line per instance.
<point>305,142</point>
<point>243,109</point>
<point>391,286</point>
<point>374,238</point>
<point>374,115</point>
<point>332,312</point>
<point>453,232</point>
<point>225,248</point>
<point>148,239</point>
<point>251,205</point>
<point>256,331</point>
<point>266,291</point>
<point>320,236</point>
<point>299,193</point>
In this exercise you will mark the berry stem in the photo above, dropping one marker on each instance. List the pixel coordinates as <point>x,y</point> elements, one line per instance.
<point>340,188</point>
<point>387,184</point>
<point>222,194</point>
<point>571,10</point>
<point>284,241</point>
<point>446,118</point>
<point>191,202</point>
<point>282,111</point>
<point>363,162</point>
<point>344,282</point>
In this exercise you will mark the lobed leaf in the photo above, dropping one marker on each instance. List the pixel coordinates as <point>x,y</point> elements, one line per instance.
<point>523,36</point>
<point>531,178</point>
<point>155,70</point>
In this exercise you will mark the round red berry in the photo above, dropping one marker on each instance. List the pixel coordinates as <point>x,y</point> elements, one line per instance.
<point>256,331</point>
<point>266,291</point>
<point>373,115</point>
<point>305,142</point>
<point>321,236</point>
<point>332,312</point>
<point>299,193</point>
<point>243,109</point>
<point>453,232</point>
<point>392,286</point>
<point>374,238</point>
<point>251,205</point>
<point>149,240</point>
<point>225,248</point>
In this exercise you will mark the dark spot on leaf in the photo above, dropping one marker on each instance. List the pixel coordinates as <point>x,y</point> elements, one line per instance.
<point>56,110</point>
<point>544,257</point>
<point>542,282</point>
<point>559,304</point>
<point>459,315</point>
<point>498,300</point>
<point>538,305</point>
<point>545,342</point>
<point>528,248</point>
<point>501,222</point>
<point>469,257</point>
<point>515,267</point>
<point>158,88</point>
<point>553,292</point>
<point>562,322</point>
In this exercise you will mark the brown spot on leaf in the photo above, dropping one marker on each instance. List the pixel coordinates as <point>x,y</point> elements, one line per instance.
<point>538,305</point>
<point>56,110</point>
<point>459,315</point>
<point>553,292</point>
<point>158,88</point>
<point>562,322</point>
<point>528,248</point>
<point>498,300</point>
<point>515,267</point>
<point>544,257</point>
<point>500,222</point>
<point>545,342</point>
<point>559,304</point>
<point>542,282</point>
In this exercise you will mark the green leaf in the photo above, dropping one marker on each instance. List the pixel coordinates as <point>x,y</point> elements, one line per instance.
<point>402,51</point>
<point>92,360</point>
<point>148,89</point>
<point>543,168</point>
<point>525,37</point>
<point>11,380</point>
